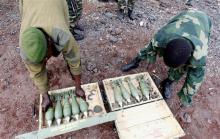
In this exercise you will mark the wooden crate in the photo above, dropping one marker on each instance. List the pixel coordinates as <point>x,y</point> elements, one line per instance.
<point>96,100</point>
<point>151,119</point>
<point>110,93</point>
<point>148,121</point>
<point>65,128</point>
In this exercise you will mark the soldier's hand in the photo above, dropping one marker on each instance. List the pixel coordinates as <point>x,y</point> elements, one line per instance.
<point>80,93</point>
<point>46,102</point>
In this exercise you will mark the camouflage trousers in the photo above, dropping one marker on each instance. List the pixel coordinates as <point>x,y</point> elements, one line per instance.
<point>192,83</point>
<point>122,4</point>
<point>75,8</point>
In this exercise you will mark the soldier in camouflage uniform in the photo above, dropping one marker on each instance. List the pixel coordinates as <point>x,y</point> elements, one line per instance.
<point>122,5</point>
<point>183,43</point>
<point>75,12</point>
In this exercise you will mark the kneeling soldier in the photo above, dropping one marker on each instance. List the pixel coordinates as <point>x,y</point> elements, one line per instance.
<point>183,43</point>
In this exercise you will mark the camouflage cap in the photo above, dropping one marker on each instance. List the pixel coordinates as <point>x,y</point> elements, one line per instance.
<point>33,45</point>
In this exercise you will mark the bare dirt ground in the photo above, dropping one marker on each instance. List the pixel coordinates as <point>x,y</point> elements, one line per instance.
<point>109,43</point>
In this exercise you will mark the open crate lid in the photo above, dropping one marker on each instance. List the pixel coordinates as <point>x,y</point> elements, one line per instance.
<point>145,119</point>
<point>148,121</point>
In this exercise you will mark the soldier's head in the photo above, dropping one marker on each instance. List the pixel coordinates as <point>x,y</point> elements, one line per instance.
<point>33,45</point>
<point>177,52</point>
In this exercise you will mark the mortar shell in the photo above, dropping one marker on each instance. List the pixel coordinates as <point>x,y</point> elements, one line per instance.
<point>137,98</point>
<point>49,122</point>
<point>76,116</point>
<point>85,114</point>
<point>120,104</point>
<point>58,121</point>
<point>67,119</point>
<point>129,100</point>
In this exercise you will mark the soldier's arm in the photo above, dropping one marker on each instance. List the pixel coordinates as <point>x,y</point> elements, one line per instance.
<point>192,83</point>
<point>66,11</point>
<point>38,74</point>
<point>70,49</point>
<point>72,56</point>
<point>150,51</point>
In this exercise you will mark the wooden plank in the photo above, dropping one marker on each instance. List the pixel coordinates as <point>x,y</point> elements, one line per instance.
<point>73,126</point>
<point>40,112</point>
<point>142,113</point>
<point>166,128</point>
<point>144,121</point>
<point>110,93</point>
<point>96,100</point>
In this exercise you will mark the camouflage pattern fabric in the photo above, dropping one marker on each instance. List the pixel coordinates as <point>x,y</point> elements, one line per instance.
<point>122,4</point>
<point>75,10</point>
<point>130,4</point>
<point>195,26</point>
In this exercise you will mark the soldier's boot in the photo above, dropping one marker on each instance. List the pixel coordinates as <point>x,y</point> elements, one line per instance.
<point>76,35</point>
<point>121,14</point>
<point>166,88</point>
<point>189,2</point>
<point>130,15</point>
<point>132,65</point>
<point>78,27</point>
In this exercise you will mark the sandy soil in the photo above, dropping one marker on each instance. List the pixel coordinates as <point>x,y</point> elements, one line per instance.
<point>110,42</point>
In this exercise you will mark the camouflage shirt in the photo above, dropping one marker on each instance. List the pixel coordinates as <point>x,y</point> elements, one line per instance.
<point>195,26</point>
